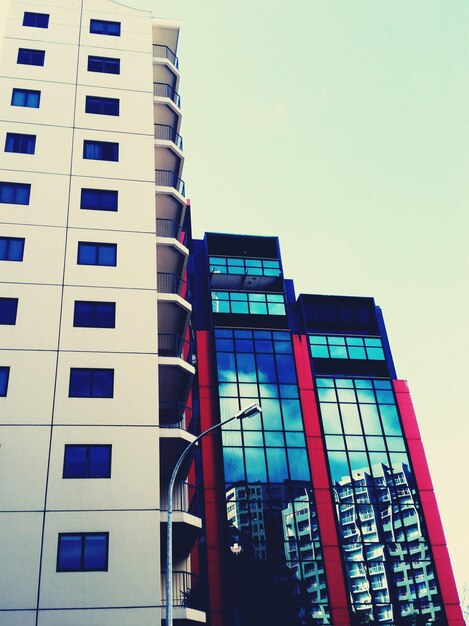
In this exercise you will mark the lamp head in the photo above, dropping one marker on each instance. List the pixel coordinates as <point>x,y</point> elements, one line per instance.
<point>249,411</point>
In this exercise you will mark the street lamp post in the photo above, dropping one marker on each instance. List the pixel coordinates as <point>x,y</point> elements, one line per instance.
<point>249,411</point>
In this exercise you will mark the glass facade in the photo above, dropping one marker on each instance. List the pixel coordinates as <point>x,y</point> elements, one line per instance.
<point>272,528</point>
<point>388,564</point>
<point>252,267</point>
<point>248,303</point>
<point>340,347</point>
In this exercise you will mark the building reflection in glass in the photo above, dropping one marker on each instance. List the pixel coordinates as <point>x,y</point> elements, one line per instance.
<point>276,570</point>
<point>387,557</point>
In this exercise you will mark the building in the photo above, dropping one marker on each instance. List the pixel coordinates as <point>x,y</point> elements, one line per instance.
<point>330,515</point>
<point>95,371</point>
<point>320,511</point>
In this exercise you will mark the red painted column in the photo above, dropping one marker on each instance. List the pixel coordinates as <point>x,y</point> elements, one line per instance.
<point>321,486</point>
<point>431,514</point>
<point>211,468</point>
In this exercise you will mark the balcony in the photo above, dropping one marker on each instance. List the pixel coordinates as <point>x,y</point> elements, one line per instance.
<point>167,178</point>
<point>163,52</point>
<point>175,369</point>
<point>188,598</point>
<point>177,430</point>
<point>165,132</point>
<point>187,522</point>
<point>163,90</point>
<point>174,346</point>
<point>170,228</point>
<point>167,282</point>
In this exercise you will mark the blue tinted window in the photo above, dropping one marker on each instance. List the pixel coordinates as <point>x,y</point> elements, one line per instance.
<point>101,150</point>
<point>104,27</point>
<point>102,106</point>
<point>8,309</point>
<point>17,142</point>
<point>4,375</point>
<point>37,20</point>
<point>14,193</point>
<point>27,56</point>
<point>91,383</point>
<point>11,248</point>
<point>97,253</point>
<point>95,314</point>
<point>334,347</point>
<point>99,200</point>
<point>82,552</point>
<point>244,303</point>
<point>25,98</point>
<point>105,65</point>
<point>87,461</point>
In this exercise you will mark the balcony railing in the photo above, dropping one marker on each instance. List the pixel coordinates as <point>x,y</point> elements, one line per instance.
<point>163,52</point>
<point>167,282</point>
<point>186,499</point>
<point>168,133</point>
<point>177,415</point>
<point>174,345</point>
<point>163,90</point>
<point>170,228</point>
<point>166,178</point>
<point>186,591</point>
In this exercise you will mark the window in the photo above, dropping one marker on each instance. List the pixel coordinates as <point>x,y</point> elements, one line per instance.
<point>90,253</point>
<point>334,347</point>
<point>103,27</point>
<point>94,314</point>
<point>242,266</point>
<point>91,383</point>
<point>101,150</point>
<point>14,193</point>
<point>11,248</point>
<point>87,461</point>
<point>37,20</point>
<point>83,552</point>
<point>102,106</point>
<point>98,200</point>
<point>30,57</point>
<point>105,65</point>
<point>248,303</point>
<point>8,309</point>
<point>25,98</point>
<point>17,142</point>
<point>4,376</point>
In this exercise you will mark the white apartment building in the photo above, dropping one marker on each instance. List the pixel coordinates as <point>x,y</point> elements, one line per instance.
<point>93,316</point>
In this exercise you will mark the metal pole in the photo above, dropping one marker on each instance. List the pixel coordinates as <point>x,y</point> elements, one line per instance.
<point>247,412</point>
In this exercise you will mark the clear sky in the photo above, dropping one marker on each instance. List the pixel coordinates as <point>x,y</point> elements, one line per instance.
<point>343,127</point>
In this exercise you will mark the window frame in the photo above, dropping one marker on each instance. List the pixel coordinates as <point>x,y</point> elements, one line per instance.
<point>102,196</point>
<point>105,27</point>
<point>4,369</point>
<point>106,149</point>
<point>83,536</point>
<point>92,372</point>
<point>99,105</point>
<point>7,241</point>
<point>86,472</point>
<point>26,56</point>
<point>17,188</point>
<point>21,143</point>
<point>25,92</point>
<point>10,313</point>
<point>80,317</point>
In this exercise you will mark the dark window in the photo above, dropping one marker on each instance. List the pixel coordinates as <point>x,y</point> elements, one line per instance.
<point>30,57</point>
<point>104,27</point>
<point>17,142</point>
<point>91,383</point>
<point>98,200</point>
<point>94,314</point>
<point>97,253</point>
<point>87,461</point>
<point>4,375</point>
<point>101,150</point>
<point>105,65</point>
<point>14,193</point>
<point>8,309</point>
<point>82,552</point>
<point>11,248</point>
<point>38,20</point>
<point>25,98</point>
<point>102,106</point>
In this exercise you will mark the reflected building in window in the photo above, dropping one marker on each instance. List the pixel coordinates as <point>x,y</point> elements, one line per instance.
<point>320,510</point>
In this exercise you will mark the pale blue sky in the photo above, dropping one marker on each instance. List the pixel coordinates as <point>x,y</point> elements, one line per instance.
<point>343,128</point>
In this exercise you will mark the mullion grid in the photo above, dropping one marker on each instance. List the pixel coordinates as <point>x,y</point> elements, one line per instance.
<point>328,346</point>
<point>358,506</point>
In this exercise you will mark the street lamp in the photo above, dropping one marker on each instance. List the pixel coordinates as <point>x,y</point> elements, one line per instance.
<point>249,411</point>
